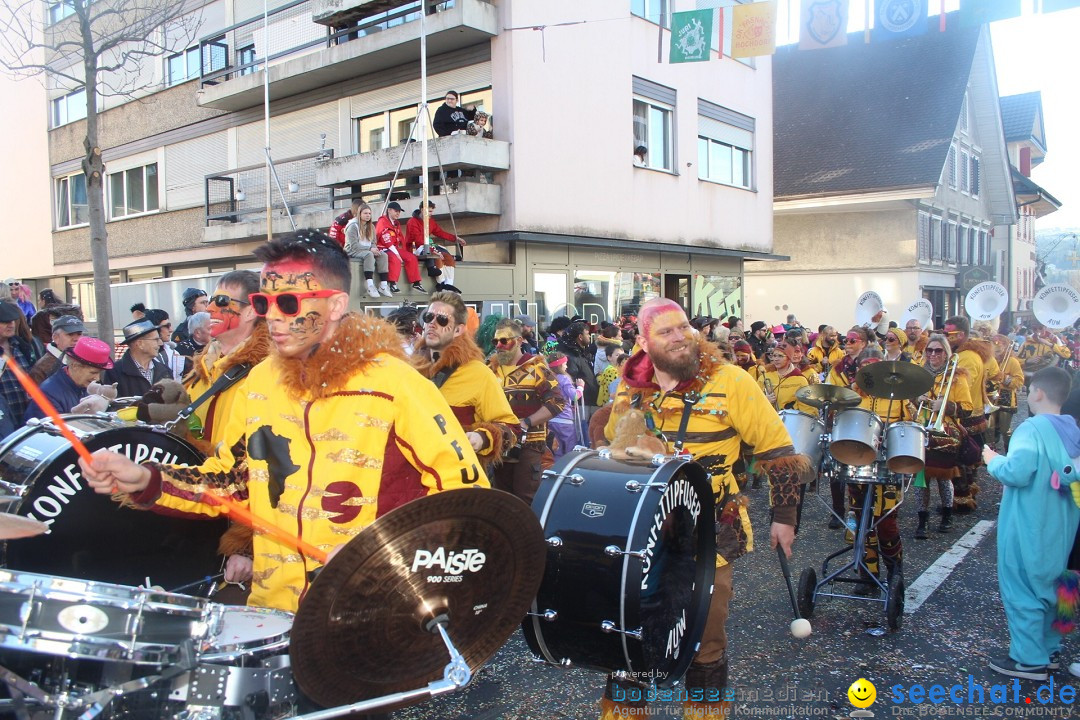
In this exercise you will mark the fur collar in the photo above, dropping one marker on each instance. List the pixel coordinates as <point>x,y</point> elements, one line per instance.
<point>639,372</point>
<point>253,351</point>
<point>463,349</point>
<point>982,348</point>
<point>355,345</point>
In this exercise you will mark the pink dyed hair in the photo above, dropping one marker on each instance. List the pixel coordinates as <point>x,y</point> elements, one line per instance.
<point>651,309</point>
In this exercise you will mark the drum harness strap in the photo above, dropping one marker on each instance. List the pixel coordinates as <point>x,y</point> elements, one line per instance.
<point>689,400</point>
<point>228,378</point>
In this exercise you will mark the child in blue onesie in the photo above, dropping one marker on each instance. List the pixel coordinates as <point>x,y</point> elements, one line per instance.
<point>1037,521</point>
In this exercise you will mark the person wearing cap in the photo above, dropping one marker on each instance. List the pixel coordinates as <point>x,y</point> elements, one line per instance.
<point>390,239</point>
<point>14,346</point>
<point>443,265</point>
<point>49,309</point>
<point>84,362</point>
<point>66,331</point>
<point>895,342</point>
<point>744,357</point>
<point>194,300</point>
<point>140,367</point>
<point>759,339</point>
<point>528,334</point>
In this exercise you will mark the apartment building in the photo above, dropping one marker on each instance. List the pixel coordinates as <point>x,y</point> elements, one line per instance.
<point>558,216</point>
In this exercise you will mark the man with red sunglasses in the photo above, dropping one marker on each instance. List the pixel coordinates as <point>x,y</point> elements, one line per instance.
<point>331,431</point>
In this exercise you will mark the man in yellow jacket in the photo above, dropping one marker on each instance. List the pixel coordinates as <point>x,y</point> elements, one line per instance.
<point>728,410</point>
<point>331,431</point>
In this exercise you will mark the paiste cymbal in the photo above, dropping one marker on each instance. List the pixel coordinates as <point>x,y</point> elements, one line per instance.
<point>819,396</point>
<point>13,527</point>
<point>894,379</point>
<point>474,556</point>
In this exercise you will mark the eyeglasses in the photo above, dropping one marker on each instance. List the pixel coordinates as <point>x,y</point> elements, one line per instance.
<point>165,326</point>
<point>430,317</point>
<point>287,302</point>
<point>222,301</point>
<point>505,342</point>
<point>892,338</point>
<point>934,351</point>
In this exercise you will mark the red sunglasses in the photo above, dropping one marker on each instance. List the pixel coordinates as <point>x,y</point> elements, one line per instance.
<point>287,302</point>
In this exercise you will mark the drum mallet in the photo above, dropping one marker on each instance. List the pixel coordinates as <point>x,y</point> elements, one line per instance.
<point>800,626</point>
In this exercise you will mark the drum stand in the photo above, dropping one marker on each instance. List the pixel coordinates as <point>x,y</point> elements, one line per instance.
<point>456,675</point>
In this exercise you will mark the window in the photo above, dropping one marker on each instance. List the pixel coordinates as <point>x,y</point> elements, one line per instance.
<point>655,11</point>
<point>133,191</point>
<point>69,108</point>
<point>965,181</point>
<point>950,165</point>
<point>184,66</point>
<point>246,56</point>
<point>653,129</point>
<point>923,237</point>
<point>71,204</point>
<point>725,145</point>
<point>60,10</point>
<point>606,295</point>
<point>974,176</point>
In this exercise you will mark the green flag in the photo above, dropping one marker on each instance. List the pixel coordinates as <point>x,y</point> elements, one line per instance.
<point>977,12</point>
<point>691,36</point>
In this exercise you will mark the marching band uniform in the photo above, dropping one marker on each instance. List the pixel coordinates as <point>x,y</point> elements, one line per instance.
<point>209,366</point>
<point>973,356</point>
<point>916,347</point>
<point>941,464</point>
<point>1007,381</point>
<point>784,388</point>
<point>820,357</point>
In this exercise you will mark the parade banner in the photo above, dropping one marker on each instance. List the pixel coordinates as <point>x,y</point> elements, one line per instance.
<point>691,36</point>
<point>753,29</point>
<point>899,18</point>
<point>823,24</point>
<point>976,12</point>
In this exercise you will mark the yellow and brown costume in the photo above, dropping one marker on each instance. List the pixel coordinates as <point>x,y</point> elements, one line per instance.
<point>819,357</point>
<point>473,392</point>
<point>958,405</point>
<point>785,388</point>
<point>322,446</point>
<point>916,348</point>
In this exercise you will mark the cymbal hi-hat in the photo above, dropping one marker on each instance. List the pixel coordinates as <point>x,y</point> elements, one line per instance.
<point>894,379</point>
<point>13,527</point>
<point>819,396</point>
<point>471,560</point>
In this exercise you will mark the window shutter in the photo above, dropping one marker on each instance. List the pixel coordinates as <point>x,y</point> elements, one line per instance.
<point>291,134</point>
<point>186,166</point>
<point>923,237</point>
<point>974,176</point>
<point>654,91</point>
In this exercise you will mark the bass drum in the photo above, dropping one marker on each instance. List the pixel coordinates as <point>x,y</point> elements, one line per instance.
<point>630,564</point>
<point>91,537</point>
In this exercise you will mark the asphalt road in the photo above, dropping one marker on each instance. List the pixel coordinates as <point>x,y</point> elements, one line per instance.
<point>946,641</point>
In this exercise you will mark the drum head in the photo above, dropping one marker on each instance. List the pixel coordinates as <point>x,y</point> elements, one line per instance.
<point>90,536</point>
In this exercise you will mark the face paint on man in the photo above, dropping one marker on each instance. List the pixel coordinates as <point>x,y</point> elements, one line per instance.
<point>224,319</point>
<point>670,344</point>
<point>297,336</point>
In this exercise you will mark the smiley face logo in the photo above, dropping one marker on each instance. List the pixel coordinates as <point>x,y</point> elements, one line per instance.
<point>862,693</point>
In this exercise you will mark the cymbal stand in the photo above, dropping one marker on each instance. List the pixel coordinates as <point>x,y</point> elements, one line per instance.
<point>456,675</point>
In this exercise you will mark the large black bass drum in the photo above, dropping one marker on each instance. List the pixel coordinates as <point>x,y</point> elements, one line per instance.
<point>90,536</point>
<point>630,564</point>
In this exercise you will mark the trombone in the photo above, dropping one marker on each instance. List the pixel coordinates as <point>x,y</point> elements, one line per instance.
<point>937,423</point>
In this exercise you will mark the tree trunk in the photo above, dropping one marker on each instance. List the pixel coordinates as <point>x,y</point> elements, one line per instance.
<point>94,169</point>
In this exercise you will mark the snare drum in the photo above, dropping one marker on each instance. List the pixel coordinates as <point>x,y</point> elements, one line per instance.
<point>805,431</point>
<point>239,634</point>
<point>873,474</point>
<point>91,536</point>
<point>72,618</point>
<point>856,437</point>
<point>905,447</point>
<point>630,565</point>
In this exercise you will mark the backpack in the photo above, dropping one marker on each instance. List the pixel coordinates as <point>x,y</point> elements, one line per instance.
<point>337,228</point>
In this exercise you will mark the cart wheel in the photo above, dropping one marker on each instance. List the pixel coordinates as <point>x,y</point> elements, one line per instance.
<point>894,603</point>
<point>807,586</point>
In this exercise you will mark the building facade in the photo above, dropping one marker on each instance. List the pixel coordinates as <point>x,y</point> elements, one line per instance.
<point>558,216</point>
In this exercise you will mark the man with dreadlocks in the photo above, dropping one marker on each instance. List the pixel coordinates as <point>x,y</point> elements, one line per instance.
<point>333,430</point>
<point>677,372</point>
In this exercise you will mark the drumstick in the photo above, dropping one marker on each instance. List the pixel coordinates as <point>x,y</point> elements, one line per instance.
<point>800,626</point>
<point>34,391</point>
<point>232,508</point>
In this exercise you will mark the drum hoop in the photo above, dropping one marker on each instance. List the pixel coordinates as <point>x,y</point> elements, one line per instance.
<point>549,501</point>
<point>123,597</point>
<point>269,643</point>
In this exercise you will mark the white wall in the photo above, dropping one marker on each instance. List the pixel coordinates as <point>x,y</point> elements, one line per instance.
<point>570,106</point>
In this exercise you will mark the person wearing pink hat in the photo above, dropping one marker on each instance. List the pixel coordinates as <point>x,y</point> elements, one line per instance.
<point>83,364</point>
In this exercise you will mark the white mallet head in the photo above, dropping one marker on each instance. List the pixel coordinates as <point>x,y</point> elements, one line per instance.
<point>800,628</point>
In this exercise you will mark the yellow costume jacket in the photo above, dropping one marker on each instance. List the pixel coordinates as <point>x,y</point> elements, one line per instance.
<point>818,356</point>
<point>785,389</point>
<point>974,355</point>
<point>730,409</point>
<point>1007,394</point>
<point>529,386</point>
<point>473,392</point>
<point>888,410</point>
<point>320,448</point>
<point>210,365</point>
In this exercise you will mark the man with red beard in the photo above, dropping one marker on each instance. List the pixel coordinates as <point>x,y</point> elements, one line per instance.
<point>331,431</point>
<point>677,373</point>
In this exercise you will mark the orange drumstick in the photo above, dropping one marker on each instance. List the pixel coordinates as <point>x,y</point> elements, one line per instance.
<point>236,510</point>
<point>34,391</point>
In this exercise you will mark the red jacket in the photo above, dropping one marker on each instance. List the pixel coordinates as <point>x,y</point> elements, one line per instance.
<point>337,228</point>
<point>388,234</point>
<point>414,233</point>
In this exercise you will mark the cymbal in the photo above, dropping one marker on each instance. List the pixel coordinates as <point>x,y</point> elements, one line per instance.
<point>13,527</point>
<point>364,629</point>
<point>820,395</point>
<point>894,379</point>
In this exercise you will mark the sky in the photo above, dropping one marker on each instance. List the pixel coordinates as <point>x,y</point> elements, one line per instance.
<point>1031,52</point>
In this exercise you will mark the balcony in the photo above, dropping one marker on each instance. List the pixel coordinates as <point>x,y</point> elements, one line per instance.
<point>457,152</point>
<point>305,55</point>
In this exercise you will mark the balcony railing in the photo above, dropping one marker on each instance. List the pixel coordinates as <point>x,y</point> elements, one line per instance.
<point>292,31</point>
<point>239,195</point>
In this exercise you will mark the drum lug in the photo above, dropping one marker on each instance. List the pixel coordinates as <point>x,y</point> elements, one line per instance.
<point>635,487</point>
<point>549,615</point>
<point>604,453</point>
<point>609,627</point>
<point>659,459</point>
<point>576,479</point>
<point>554,541</point>
<point>613,550</point>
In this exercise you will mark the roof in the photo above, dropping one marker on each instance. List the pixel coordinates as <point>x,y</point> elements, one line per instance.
<point>868,117</point>
<point>1019,114</point>
<point>1031,194</point>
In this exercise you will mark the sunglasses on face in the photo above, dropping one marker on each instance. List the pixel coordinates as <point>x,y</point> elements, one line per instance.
<point>952,333</point>
<point>222,301</point>
<point>852,339</point>
<point>505,342</point>
<point>287,302</point>
<point>430,317</point>
<point>934,351</point>
<point>892,338</point>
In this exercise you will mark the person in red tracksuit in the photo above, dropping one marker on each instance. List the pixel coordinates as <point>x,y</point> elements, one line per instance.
<point>443,265</point>
<point>389,239</point>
